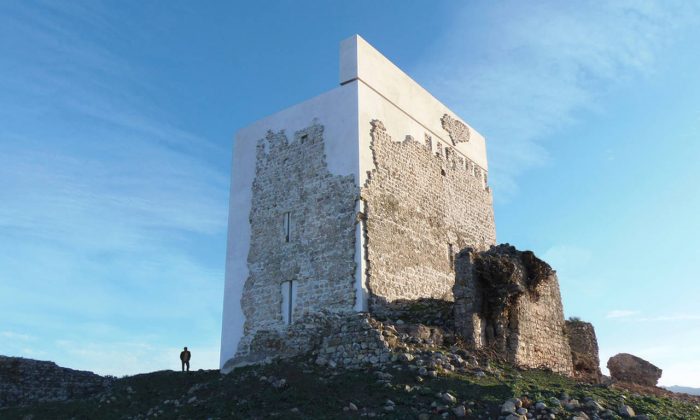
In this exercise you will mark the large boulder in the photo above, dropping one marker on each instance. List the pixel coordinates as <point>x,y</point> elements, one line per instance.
<point>632,369</point>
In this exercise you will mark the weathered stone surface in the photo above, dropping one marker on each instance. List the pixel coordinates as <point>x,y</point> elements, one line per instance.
<point>460,411</point>
<point>292,177</point>
<point>420,208</point>
<point>625,411</point>
<point>422,332</point>
<point>458,131</point>
<point>27,381</point>
<point>584,350</point>
<point>628,368</point>
<point>354,341</point>
<point>509,301</point>
<point>431,312</point>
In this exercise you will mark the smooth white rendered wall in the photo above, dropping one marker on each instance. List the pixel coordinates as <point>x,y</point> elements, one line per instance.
<point>336,110</point>
<point>360,61</point>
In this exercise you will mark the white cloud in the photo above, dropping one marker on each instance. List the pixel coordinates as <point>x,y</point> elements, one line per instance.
<point>630,315</point>
<point>11,335</point>
<point>675,317</point>
<point>110,210</point>
<point>620,313</point>
<point>519,72</point>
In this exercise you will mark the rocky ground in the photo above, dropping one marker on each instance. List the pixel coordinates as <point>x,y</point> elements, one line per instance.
<point>426,384</point>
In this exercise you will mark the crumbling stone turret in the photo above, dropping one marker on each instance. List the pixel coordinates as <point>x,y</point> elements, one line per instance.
<point>509,301</point>
<point>584,350</point>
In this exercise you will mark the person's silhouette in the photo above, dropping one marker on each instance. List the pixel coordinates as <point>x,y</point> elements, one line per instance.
<point>185,356</point>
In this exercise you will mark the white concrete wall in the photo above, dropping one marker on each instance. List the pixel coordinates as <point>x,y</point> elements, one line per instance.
<point>390,95</point>
<point>336,110</point>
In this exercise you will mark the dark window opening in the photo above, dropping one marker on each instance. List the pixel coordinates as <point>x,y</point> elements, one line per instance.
<point>287,226</point>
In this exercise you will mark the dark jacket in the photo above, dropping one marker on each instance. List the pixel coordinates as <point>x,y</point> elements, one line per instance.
<point>185,356</point>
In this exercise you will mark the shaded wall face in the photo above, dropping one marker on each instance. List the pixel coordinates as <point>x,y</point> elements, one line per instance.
<point>302,231</point>
<point>509,302</point>
<point>422,204</point>
<point>27,382</point>
<point>584,350</point>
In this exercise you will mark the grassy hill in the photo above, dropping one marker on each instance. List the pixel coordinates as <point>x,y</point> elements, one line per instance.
<point>298,389</point>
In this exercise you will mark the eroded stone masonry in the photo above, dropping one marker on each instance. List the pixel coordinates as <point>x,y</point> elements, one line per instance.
<point>421,208</point>
<point>27,381</point>
<point>433,273</point>
<point>302,222</point>
<point>584,350</point>
<point>509,301</point>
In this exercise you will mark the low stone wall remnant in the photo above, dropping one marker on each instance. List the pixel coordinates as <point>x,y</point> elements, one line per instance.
<point>343,340</point>
<point>26,381</point>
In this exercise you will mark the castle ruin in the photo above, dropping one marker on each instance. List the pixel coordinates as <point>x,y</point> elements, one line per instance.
<point>366,197</point>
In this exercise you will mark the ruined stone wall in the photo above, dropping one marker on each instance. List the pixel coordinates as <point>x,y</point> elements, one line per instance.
<point>352,342</point>
<point>348,341</point>
<point>541,339</point>
<point>292,177</point>
<point>420,208</point>
<point>584,350</point>
<point>27,381</point>
<point>509,301</point>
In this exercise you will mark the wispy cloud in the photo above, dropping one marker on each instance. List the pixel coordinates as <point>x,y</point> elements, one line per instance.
<point>630,315</point>
<point>620,313</point>
<point>116,206</point>
<point>675,317</point>
<point>519,72</point>
<point>11,335</point>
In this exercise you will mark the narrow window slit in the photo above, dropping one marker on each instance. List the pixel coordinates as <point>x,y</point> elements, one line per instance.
<point>288,301</point>
<point>287,226</point>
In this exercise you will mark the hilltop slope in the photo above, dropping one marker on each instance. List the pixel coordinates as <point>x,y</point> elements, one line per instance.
<point>297,388</point>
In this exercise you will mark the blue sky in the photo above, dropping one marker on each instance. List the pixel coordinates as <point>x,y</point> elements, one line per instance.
<point>116,125</point>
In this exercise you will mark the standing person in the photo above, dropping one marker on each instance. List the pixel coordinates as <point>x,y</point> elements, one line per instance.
<point>185,356</point>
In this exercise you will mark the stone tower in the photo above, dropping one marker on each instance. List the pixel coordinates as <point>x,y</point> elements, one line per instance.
<point>352,200</point>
